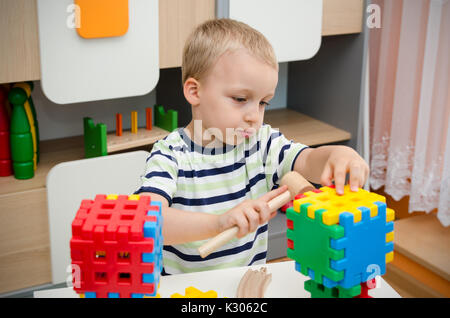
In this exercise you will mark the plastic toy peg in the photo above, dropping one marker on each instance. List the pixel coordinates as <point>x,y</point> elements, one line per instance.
<point>5,149</point>
<point>31,116</point>
<point>192,292</point>
<point>166,120</point>
<point>94,139</point>
<point>365,287</point>
<point>134,122</point>
<point>119,128</point>
<point>148,118</point>
<point>117,246</point>
<point>21,139</point>
<point>36,123</point>
<point>101,18</point>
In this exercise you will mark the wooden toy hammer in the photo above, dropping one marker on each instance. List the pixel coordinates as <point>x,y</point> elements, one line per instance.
<point>296,185</point>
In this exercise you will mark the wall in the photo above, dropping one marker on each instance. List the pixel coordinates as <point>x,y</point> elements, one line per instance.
<point>59,121</point>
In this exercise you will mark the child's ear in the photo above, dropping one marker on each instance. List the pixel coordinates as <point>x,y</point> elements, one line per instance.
<point>191,89</point>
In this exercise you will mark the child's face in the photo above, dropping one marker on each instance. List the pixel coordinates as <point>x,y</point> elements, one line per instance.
<point>233,96</point>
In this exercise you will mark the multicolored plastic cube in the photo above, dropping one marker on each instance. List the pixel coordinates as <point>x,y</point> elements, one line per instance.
<point>340,240</point>
<point>116,247</point>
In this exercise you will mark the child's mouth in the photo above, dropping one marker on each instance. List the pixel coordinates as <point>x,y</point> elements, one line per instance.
<point>245,133</point>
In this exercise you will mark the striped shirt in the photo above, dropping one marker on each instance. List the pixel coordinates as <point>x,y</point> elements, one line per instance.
<point>215,180</point>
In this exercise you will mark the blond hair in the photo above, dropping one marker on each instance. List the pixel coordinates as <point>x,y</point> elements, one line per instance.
<point>213,38</point>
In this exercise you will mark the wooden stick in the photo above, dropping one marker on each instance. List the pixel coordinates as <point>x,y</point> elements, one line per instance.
<point>229,234</point>
<point>296,184</point>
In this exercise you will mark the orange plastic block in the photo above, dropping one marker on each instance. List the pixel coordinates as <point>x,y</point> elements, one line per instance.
<point>102,18</point>
<point>119,124</point>
<point>148,118</point>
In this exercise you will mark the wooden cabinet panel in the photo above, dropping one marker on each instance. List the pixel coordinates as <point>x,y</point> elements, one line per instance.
<point>19,49</point>
<point>24,240</point>
<point>19,52</point>
<point>342,17</point>
<point>177,18</point>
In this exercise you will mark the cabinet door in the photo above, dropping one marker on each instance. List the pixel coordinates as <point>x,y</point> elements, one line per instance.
<point>177,18</point>
<point>19,48</point>
<point>24,240</point>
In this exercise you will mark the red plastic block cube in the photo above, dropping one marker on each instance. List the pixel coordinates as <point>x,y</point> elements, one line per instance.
<point>108,245</point>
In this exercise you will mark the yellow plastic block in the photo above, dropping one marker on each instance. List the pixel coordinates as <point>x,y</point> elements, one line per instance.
<point>389,237</point>
<point>390,215</point>
<point>389,257</point>
<point>134,122</point>
<point>192,292</point>
<point>111,197</point>
<point>133,197</point>
<point>102,18</point>
<point>336,204</point>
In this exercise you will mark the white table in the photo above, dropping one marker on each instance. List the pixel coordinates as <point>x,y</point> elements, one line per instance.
<point>286,283</point>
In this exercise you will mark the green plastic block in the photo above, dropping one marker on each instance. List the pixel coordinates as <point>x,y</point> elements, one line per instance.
<point>166,120</point>
<point>320,291</point>
<point>94,139</point>
<point>312,244</point>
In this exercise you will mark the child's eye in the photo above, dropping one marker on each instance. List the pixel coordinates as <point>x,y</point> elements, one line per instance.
<point>263,103</point>
<point>240,99</point>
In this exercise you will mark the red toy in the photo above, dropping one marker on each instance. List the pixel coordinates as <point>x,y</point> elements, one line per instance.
<point>5,148</point>
<point>117,247</point>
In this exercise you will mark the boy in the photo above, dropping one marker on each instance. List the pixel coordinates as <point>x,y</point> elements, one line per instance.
<point>224,166</point>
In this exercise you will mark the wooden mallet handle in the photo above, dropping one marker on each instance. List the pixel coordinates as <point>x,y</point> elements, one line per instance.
<point>296,185</point>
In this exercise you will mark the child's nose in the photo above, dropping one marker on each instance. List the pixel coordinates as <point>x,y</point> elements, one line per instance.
<point>252,114</point>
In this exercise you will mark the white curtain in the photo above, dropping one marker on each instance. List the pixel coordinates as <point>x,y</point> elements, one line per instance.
<point>410,103</point>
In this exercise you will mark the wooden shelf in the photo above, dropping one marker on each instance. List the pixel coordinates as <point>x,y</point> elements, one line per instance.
<point>129,140</point>
<point>424,240</point>
<point>294,125</point>
<point>304,129</point>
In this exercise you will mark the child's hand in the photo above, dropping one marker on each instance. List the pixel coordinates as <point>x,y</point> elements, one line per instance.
<point>341,161</point>
<point>249,214</point>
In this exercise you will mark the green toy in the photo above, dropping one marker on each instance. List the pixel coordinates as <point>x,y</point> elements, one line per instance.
<point>20,136</point>
<point>94,139</point>
<point>320,291</point>
<point>166,120</point>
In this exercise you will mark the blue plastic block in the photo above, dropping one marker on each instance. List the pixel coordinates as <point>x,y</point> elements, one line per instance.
<point>113,295</point>
<point>137,295</point>
<point>364,244</point>
<point>90,295</point>
<point>149,278</point>
<point>148,257</point>
<point>156,203</point>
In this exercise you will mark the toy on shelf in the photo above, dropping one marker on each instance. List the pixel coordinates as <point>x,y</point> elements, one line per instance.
<point>116,247</point>
<point>5,148</point>
<point>24,132</point>
<point>166,120</point>
<point>192,292</point>
<point>340,241</point>
<point>94,138</point>
<point>98,143</point>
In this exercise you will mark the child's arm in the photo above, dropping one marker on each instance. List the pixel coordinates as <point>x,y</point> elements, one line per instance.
<point>181,226</point>
<point>327,163</point>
